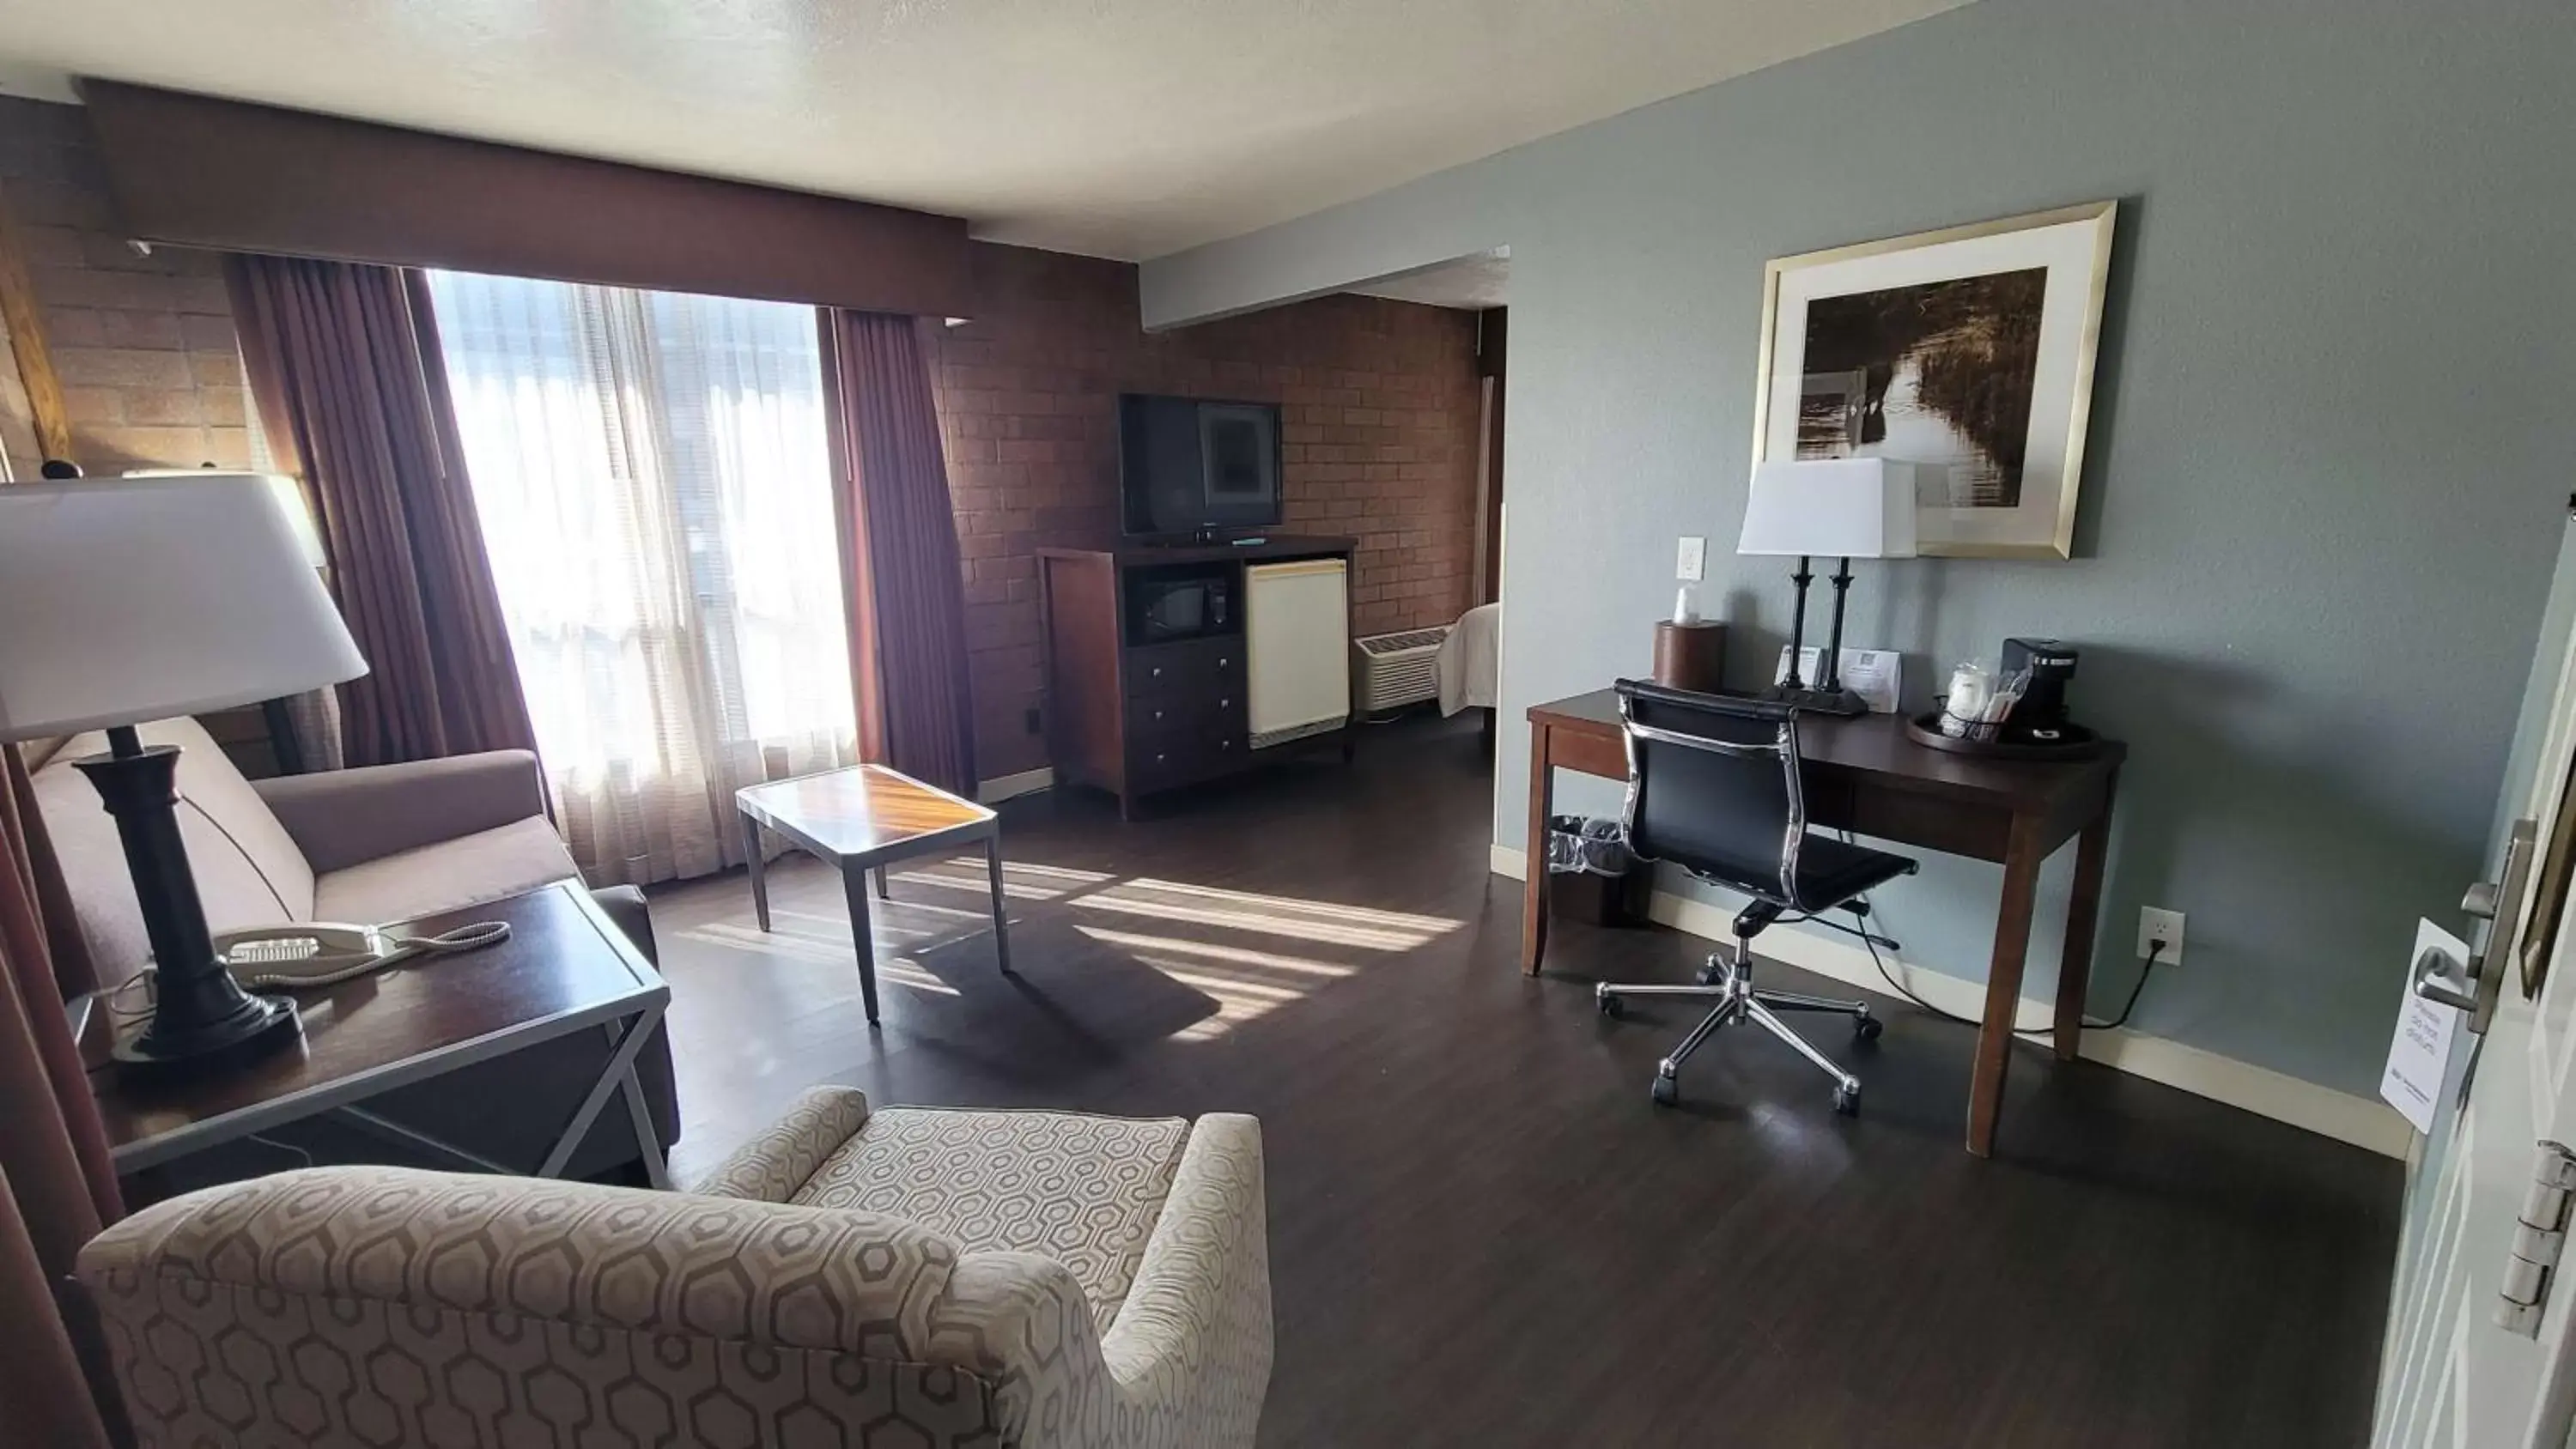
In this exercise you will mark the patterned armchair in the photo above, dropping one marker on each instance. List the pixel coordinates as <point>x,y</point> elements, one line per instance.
<point>912,1276</point>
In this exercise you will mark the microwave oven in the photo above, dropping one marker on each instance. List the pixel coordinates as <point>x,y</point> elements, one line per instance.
<point>1191,606</point>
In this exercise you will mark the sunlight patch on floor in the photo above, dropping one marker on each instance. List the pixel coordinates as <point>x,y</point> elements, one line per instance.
<point>1243,983</point>
<point>1019,881</point>
<point>1320,921</point>
<point>1209,950</point>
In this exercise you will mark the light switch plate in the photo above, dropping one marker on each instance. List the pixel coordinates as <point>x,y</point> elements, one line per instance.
<point>1693,561</point>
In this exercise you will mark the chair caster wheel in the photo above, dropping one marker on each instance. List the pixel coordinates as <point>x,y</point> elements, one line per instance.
<point>1610,1006</point>
<point>1847,1101</point>
<point>1711,973</point>
<point>1667,1091</point>
<point>1868,1028</point>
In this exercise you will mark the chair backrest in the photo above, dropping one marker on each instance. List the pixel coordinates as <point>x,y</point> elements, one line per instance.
<point>1713,786</point>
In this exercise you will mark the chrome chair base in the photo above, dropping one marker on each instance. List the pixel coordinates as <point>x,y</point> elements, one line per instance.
<point>1730,985</point>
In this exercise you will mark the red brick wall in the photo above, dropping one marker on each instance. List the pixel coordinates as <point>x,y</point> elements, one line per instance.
<point>1379,417</point>
<point>143,345</point>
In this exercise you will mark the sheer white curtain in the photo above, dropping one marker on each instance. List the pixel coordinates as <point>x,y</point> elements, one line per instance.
<point>652,475</point>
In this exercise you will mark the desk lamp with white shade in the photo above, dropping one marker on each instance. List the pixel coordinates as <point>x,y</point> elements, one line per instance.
<point>1843,508</point>
<point>129,600</point>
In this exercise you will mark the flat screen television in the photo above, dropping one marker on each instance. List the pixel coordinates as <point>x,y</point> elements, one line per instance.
<point>1196,467</point>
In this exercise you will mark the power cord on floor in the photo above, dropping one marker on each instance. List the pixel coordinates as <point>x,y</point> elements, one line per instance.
<point>1872,940</point>
<point>2154,950</point>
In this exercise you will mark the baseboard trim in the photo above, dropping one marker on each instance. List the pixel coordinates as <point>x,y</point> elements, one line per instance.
<point>2364,1122</point>
<point>1003,787</point>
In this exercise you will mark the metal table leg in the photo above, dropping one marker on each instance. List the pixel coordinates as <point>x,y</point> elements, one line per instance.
<point>1001,914</point>
<point>759,871</point>
<point>854,886</point>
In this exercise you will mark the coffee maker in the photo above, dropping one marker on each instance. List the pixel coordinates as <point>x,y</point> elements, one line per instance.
<point>2040,717</point>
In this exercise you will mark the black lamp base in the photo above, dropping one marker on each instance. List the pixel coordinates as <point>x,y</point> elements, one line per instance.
<point>1817,701</point>
<point>271,1025</point>
<point>203,1023</point>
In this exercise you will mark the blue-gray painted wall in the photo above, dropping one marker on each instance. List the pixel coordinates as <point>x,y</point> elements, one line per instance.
<point>2330,452</point>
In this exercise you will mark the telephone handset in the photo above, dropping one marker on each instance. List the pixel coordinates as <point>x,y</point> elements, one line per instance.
<point>306,953</point>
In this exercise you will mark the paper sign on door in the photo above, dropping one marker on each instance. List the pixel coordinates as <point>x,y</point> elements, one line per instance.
<point>2422,1046</point>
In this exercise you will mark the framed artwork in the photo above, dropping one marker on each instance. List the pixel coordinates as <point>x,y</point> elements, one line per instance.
<point>1968,352</point>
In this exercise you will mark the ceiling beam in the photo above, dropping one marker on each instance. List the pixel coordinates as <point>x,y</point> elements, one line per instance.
<point>26,322</point>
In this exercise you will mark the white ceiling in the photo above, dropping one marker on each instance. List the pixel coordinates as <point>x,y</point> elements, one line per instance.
<point>1472,283</point>
<point>1124,128</point>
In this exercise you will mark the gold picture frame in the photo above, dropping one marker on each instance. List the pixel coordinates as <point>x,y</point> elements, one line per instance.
<point>2009,485</point>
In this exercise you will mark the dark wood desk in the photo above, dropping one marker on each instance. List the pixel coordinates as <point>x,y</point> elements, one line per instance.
<point>1865,776</point>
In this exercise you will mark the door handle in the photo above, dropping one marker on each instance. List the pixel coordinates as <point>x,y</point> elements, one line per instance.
<point>2498,902</point>
<point>2433,982</point>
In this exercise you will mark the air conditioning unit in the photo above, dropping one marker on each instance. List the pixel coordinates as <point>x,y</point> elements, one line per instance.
<point>1395,670</point>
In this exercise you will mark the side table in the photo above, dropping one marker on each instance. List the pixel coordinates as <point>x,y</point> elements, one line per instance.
<point>566,968</point>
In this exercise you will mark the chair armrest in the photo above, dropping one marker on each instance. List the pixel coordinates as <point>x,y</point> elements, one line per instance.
<point>341,818</point>
<point>544,1249</point>
<point>1191,1347</point>
<point>854,1317</point>
<point>773,1165</point>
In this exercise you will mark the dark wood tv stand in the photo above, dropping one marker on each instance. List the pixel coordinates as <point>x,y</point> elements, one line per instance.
<point>1134,716</point>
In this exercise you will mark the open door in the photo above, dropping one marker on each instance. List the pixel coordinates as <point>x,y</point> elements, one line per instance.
<point>2478,1349</point>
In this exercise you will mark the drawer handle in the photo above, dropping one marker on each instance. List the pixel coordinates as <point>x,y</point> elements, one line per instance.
<point>1225,744</point>
<point>1158,714</point>
<point>1223,662</point>
<point>1158,672</point>
<point>1160,757</point>
<point>1224,703</point>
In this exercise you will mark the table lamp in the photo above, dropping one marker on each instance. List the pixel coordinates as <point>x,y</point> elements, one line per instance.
<point>1843,508</point>
<point>130,600</point>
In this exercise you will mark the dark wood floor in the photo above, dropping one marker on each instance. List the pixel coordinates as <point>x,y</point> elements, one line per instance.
<point>1481,1230</point>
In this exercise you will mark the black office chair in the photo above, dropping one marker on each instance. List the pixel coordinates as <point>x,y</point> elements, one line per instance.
<point>1713,788</point>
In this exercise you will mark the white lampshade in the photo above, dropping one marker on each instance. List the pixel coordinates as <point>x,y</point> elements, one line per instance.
<point>127,600</point>
<point>290,497</point>
<point>1831,508</point>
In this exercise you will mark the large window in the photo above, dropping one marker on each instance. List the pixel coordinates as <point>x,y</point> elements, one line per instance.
<point>653,479</point>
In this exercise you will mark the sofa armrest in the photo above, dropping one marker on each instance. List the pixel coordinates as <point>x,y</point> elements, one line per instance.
<point>341,818</point>
<point>1191,1347</point>
<point>773,1165</point>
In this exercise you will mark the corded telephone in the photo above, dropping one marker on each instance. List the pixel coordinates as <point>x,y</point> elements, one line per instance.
<point>306,953</point>
<point>303,954</point>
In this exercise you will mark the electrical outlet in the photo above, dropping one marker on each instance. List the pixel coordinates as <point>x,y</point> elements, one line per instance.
<point>2156,925</point>
<point>1693,562</point>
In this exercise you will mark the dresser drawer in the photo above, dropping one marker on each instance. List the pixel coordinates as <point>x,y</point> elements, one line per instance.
<point>1186,755</point>
<point>1196,669</point>
<point>1195,711</point>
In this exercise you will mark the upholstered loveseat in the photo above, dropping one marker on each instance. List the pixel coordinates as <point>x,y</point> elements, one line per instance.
<point>369,846</point>
<point>911,1277</point>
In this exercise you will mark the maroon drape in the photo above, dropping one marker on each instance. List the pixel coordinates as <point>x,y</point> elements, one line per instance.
<point>899,551</point>
<point>345,366</point>
<point>60,1186</point>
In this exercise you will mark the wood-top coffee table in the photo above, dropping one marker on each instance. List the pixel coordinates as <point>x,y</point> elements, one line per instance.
<point>860,819</point>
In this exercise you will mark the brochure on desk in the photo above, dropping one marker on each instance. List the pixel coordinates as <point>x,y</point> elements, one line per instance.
<point>1876,675</point>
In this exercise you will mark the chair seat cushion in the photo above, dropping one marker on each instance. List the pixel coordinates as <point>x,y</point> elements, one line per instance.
<point>1085,1191</point>
<point>447,876</point>
<point>1830,872</point>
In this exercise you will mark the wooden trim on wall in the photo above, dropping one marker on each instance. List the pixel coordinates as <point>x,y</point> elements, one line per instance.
<point>193,170</point>
<point>52,419</point>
